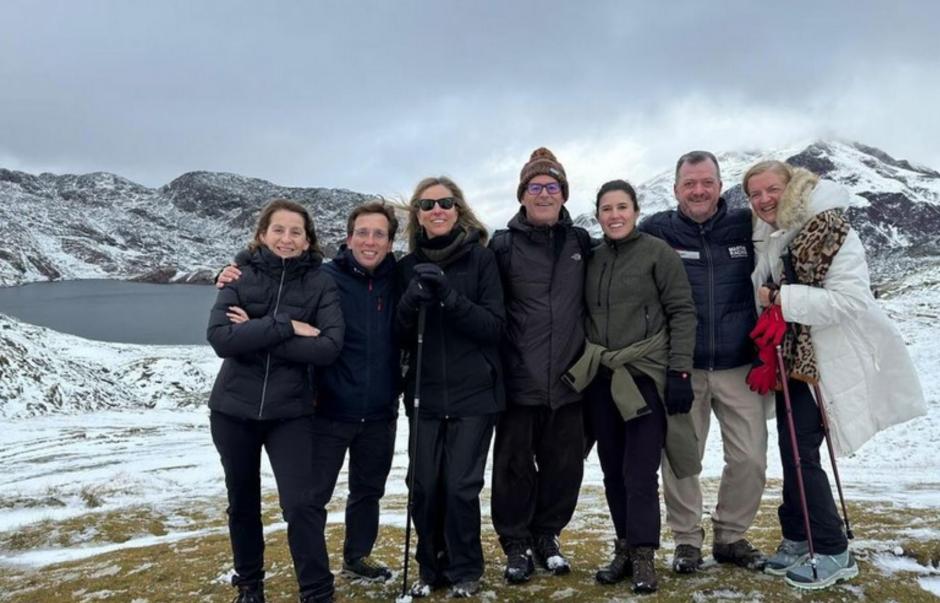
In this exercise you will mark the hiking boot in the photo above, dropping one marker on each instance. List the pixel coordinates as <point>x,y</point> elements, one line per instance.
<point>829,570</point>
<point>467,588</point>
<point>619,567</point>
<point>365,568</point>
<point>741,553</point>
<point>790,553</point>
<point>687,559</point>
<point>249,592</point>
<point>644,572</point>
<point>548,555</point>
<point>519,566</point>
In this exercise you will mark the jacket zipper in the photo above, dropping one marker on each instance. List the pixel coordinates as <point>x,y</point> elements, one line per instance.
<point>646,315</point>
<point>267,362</point>
<point>710,300</point>
<point>551,314</point>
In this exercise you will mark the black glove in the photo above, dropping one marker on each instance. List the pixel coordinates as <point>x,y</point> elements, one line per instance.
<point>433,277</point>
<point>679,393</point>
<point>416,294</point>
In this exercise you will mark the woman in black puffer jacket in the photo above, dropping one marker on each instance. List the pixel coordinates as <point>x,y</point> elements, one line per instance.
<point>461,392</point>
<point>272,326</point>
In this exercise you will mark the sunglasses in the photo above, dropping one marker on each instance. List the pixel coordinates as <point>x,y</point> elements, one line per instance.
<point>535,188</point>
<point>428,204</point>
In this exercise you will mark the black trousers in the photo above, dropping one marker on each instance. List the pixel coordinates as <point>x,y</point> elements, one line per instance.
<point>828,534</point>
<point>448,466</point>
<point>630,453</point>
<point>289,444</point>
<point>538,463</point>
<point>371,445</point>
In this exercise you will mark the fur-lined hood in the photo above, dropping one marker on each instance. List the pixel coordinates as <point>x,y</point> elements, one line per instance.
<point>806,195</point>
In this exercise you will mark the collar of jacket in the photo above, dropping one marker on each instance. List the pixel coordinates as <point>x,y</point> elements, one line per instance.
<point>346,261</point>
<point>521,223</point>
<point>621,243</point>
<point>720,210</point>
<point>806,196</point>
<point>266,260</point>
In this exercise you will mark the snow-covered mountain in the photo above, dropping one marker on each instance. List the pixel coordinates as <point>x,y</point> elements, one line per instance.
<point>100,225</point>
<point>898,216</point>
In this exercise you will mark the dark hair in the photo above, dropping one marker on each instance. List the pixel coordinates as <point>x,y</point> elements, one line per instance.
<point>264,220</point>
<point>693,157</point>
<point>374,207</point>
<point>616,185</point>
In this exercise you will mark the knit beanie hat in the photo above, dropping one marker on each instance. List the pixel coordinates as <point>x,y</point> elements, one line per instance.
<point>541,162</point>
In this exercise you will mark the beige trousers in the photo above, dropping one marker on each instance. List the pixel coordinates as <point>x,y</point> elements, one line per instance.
<point>742,417</point>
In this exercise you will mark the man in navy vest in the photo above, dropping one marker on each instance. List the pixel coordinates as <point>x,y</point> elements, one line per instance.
<point>714,242</point>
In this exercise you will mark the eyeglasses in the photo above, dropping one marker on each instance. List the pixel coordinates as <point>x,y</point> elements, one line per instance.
<point>363,233</point>
<point>428,204</point>
<point>535,188</point>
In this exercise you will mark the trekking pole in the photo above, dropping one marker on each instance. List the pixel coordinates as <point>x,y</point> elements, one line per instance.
<point>832,459</point>
<point>796,459</point>
<point>413,450</point>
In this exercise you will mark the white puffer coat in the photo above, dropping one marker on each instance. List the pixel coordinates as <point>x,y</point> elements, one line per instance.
<point>866,375</point>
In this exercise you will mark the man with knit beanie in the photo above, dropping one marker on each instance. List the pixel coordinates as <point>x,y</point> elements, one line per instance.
<point>538,454</point>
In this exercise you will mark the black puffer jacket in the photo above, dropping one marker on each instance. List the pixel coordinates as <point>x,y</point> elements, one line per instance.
<point>543,275</point>
<point>267,371</point>
<point>364,382</point>
<point>461,374</point>
<point>718,256</point>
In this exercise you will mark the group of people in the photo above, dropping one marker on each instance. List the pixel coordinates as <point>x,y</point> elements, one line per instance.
<point>550,342</point>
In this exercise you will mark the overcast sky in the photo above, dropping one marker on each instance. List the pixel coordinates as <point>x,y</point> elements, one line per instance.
<point>374,95</point>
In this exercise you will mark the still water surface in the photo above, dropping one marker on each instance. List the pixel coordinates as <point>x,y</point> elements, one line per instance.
<point>115,310</point>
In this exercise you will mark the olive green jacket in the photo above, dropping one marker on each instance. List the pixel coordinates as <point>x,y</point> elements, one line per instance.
<point>636,287</point>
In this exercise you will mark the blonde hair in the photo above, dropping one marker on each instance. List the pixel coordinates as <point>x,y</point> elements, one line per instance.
<point>782,169</point>
<point>465,216</point>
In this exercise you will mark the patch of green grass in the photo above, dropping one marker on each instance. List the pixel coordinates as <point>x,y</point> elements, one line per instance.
<point>195,569</point>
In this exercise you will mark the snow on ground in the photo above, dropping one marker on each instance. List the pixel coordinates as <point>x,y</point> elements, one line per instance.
<point>53,464</point>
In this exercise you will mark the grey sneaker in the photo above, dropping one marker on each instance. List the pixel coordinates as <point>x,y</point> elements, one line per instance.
<point>687,559</point>
<point>829,570</point>
<point>465,589</point>
<point>790,553</point>
<point>365,568</point>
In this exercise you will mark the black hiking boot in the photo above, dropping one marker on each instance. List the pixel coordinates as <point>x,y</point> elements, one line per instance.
<point>519,566</point>
<point>687,559</point>
<point>644,572</point>
<point>364,568</point>
<point>248,592</point>
<point>548,555</point>
<point>741,553</point>
<point>619,567</point>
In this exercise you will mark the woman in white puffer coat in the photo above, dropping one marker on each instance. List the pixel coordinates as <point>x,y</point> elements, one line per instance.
<point>839,338</point>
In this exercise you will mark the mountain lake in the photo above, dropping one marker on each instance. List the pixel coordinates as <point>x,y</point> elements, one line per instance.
<point>119,311</point>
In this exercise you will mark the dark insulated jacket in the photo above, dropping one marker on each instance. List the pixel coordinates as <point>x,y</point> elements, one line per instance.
<point>636,287</point>
<point>461,374</point>
<point>267,370</point>
<point>718,256</point>
<point>543,276</point>
<point>364,382</point>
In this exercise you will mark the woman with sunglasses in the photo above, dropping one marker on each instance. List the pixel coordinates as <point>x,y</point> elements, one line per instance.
<point>454,277</point>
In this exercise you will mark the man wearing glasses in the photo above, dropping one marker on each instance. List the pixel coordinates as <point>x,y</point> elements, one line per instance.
<point>714,243</point>
<point>538,454</point>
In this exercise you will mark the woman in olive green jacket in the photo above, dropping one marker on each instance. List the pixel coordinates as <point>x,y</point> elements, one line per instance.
<point>641,332</point>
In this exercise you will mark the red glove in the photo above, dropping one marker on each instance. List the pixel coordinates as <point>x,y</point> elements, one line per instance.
<point>763,374</point>
<point>770,327</point>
